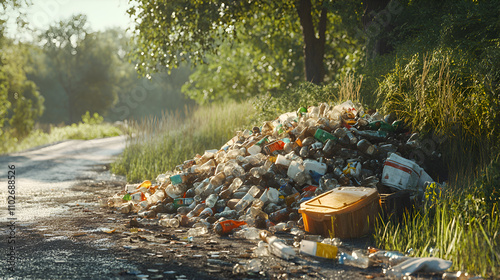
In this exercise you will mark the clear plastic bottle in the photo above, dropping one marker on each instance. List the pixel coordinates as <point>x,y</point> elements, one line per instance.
<point>169,222</point>
<point>218,179</point>
<point>236,184</point>
<point>211,200</point>
<point>247,199</point>
<point>357,259</point>
<point>254,266</point>
<point>279,227</point>
<point>262,250</point>
<point>276,246</point>
<point>197,231</point>
<point>250,233</point>
<point>197,210</point>
<point>207,212</point>
<point>366,147</point>
<point>352,139</point>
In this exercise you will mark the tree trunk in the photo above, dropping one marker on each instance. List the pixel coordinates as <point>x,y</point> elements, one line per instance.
<point>377,22</point>
<point>314,47</point>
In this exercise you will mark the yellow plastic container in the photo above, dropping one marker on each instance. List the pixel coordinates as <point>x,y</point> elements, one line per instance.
<point>352,209</point>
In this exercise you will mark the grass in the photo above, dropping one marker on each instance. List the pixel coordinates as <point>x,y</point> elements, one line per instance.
<point>83,131</point>
<point>457,225</point>
<point>462,222</point>
<point>160,144</point>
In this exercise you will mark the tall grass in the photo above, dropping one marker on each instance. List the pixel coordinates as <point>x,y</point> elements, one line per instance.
<point>456,226</point>
<point>426,94</point>
<point>461,223</point>
<point>160,144</point>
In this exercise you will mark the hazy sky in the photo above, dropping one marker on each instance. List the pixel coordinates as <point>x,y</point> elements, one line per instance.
<point>101,14</point>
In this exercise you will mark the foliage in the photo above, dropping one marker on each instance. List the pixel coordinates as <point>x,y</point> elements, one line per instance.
<point>86,65</point>
<point>442,77</point>
<point>254,64</point>
<point>458,225</point>
<point>425,93</point>
<point>204,31</point>
<point>160,144</point>
<point>189,31</point>
<point>94,119</point>
<point>20,102</point>
<point>117,94</point>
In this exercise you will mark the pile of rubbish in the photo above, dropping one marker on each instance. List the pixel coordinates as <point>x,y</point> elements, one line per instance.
<point>324,171</point>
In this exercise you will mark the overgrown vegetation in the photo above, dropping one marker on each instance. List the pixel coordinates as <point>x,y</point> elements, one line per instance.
<point>160,144</point>
<point>461,224</point>
<point>441,80</point>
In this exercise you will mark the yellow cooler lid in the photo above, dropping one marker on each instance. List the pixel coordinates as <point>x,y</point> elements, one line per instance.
<point>337,199</point>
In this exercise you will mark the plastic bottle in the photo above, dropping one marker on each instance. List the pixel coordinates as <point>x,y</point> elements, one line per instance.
<point>179,178</point>
<point>272,195</point>
<point>274,146</point>
<point>250,233</point>
<point>211,200</point>
<point>228,214</point>
<point>322,135</point>
<point>178,202</point>
<point>382,125</point>
<point>279,215</point>
<point>262,250</point>
<point>175,191</point>
<point>366,147</point>
<point>218,179</point>
<point>257,171</point>
<point>247,199</point>
<point>254,266</point>
<point>279,227</point>
<point>197,231</point>
<point>233,169</point>
<point>227,226</point>
<point>198,189</point>
<point>318,249</point>
<point>173,222</point>
<point>207,212</point>
<point>235,185</point>
<point>352,139</point>
<point>276,246</point>
<point>357,259</point>
<point>340,133</point>
<point>197,210</point>
<point>204,168</point>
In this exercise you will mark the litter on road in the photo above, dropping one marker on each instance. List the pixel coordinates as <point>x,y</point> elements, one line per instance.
<point>321,174</point>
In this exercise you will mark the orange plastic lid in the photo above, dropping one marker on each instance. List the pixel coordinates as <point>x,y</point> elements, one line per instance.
<point>339,199</point>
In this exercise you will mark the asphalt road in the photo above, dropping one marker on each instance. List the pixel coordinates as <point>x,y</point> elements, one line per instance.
<point>56,228</point>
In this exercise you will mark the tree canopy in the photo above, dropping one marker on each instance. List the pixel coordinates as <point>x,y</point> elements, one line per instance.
<point>167,34</point>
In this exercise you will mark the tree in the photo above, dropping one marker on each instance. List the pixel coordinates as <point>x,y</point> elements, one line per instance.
<point>20,102</point>
<point>168,34</point>
<point>86,64</point>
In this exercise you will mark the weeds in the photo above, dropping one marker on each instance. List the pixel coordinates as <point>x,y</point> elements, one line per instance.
<point>461,226</point>
<point>160,144</point>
